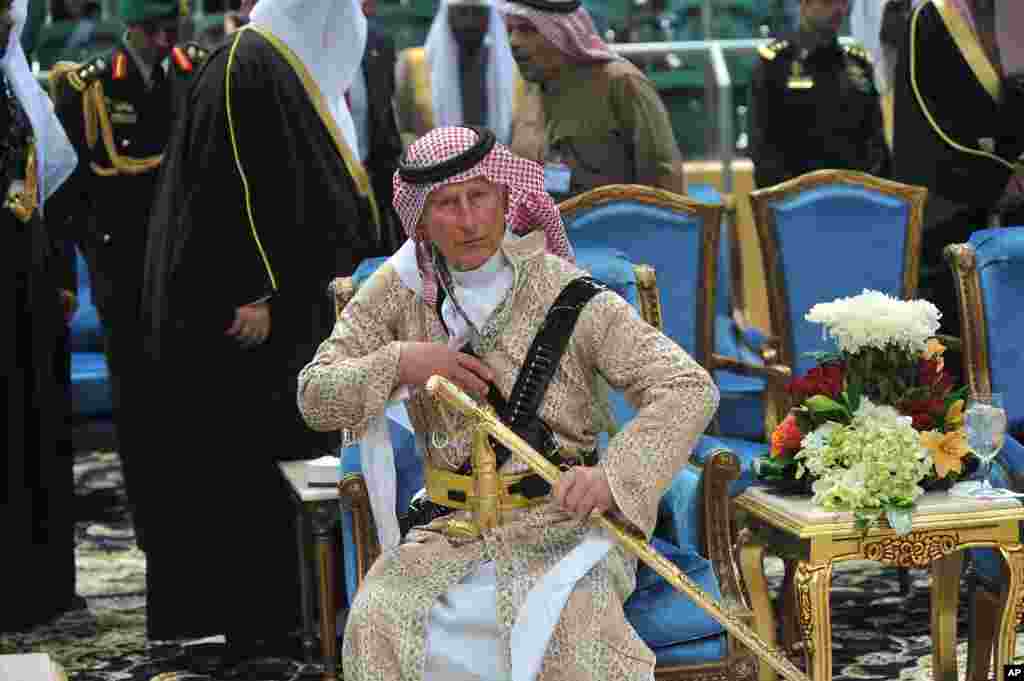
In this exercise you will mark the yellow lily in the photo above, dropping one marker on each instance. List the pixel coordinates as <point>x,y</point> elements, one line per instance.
<point>934,349</point>
<point>947,449</point>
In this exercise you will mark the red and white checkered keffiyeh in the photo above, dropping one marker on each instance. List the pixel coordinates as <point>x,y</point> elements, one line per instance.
<point>573,33</point>
<point>530,207</point>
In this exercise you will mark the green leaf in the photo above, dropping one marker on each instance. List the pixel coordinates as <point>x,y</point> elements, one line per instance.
<point>854,391</point>
<point>824,356</point>
<point>824,407</point>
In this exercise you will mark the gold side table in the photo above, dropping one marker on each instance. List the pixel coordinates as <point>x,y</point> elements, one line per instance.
<point>817,539</point>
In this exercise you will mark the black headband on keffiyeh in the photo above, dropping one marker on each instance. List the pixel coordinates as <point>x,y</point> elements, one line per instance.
<point>449,156</point>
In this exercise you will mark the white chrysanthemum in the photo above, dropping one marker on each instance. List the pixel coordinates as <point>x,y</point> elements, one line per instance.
<point>876,320</point>
<point>869,412</point>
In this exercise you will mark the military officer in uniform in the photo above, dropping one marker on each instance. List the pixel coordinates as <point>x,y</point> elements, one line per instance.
<point>814,102</point>
<point>118,110</point>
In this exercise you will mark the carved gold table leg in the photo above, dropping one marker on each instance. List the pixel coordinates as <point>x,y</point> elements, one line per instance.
<point>945,594</point>
<point>305,584</point>
<point>812,589</point>
<point>324,517</point>
<point>752,567</point>
<point>1013,607</point>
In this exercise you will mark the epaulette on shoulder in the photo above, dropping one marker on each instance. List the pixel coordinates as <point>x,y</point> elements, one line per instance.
<point>196,52</point>
<point>773,49</point>
<point>93,70</point>
<point>858,52</point>
<point>78,76</point>
<point>188,56</point>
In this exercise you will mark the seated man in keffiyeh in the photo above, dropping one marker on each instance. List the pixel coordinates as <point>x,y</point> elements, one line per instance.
<point>464,298</point>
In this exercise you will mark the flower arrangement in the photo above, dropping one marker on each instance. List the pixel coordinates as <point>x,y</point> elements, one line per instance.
<point>876,423</point>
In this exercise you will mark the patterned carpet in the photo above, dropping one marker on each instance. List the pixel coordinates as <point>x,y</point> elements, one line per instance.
<point>877,633</point>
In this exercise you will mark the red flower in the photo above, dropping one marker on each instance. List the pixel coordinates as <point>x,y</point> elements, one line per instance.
<point>925,413</point>
<point>821,380</point>
<point>786,437</point>
<point>923,421</point>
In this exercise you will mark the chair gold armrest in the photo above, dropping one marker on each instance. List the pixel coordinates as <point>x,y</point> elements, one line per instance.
<point>779,372</point>
<point>719,532</point>
<point>354,496</point>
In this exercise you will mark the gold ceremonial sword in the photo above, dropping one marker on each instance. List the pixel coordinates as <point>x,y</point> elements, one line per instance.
<point>631,539</point>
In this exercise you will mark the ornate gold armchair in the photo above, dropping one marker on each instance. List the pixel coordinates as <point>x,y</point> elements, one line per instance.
<point>693,513</point>
<point>827,234</point>
<point>989,275</point>
<point>681,238</point>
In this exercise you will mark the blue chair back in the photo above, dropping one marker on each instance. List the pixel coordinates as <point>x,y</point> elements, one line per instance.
<point>831,234</point>
<point>707,193</point>
<point>676,236</point>
<point>999,262</point>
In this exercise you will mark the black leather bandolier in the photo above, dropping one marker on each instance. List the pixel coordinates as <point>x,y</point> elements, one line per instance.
<point>520,411</point>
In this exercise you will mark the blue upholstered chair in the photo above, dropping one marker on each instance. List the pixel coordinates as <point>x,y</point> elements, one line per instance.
<point>679,237</point>
<point>682,239</point>
<point>741,409</point>
<point>90,380</point>
<point>827,234</point>
<point>694,524</point>
<point>989,274</point>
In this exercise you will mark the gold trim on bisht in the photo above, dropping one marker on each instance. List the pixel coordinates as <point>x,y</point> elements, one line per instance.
<point>316,98</point>
<point>945,12</point>
<point>967,42</point>
<point>238,163</point>
<point>23,204</point>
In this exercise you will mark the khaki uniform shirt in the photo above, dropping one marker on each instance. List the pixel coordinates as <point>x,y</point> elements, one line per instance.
<point>606,122</point>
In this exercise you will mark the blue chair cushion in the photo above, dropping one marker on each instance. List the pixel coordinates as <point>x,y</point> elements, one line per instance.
<point>744,449</point>
<point>741,409</point>
<point>661,615</point>
<point>703,651</point>
<point>90,385</point>
<point>741,406</point>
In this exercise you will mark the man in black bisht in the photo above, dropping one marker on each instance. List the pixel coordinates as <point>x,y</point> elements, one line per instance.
<point>117,109</point>
<point>37,492</point>
<point>261,203</point>
<point>959,128</point>
<point>814,102</point>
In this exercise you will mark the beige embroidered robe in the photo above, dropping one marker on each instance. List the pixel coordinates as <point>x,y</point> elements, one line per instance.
<point>356,369</point>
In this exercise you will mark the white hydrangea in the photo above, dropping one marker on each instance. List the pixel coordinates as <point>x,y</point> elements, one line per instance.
<point>875,461</point>
<point>874,319</point>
